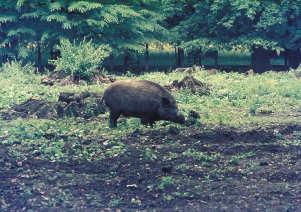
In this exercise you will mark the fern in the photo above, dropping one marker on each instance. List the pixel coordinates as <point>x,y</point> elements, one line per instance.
<point>20,3</point>
<point>33,15</point>
<point>23,52</point>
<point>56,17</point>
<point>20,31</point>
<point>125,26</point>
<point>55,6</point>
<point>83,6</point>
<point>7,18</point>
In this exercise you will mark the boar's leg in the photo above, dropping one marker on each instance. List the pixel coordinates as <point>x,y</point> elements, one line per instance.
<point>113,118</point>
<point>151,123</point>
<point>147,121</point>
<point>144,121</point>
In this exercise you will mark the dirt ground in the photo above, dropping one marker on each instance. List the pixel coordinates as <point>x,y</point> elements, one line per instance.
<point>194,169</point>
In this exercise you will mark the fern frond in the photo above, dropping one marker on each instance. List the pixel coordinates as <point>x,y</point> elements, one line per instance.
<point>56,17</point>
<point>34,15</point>
<point>20,31</point>
<point>7,18</point>
<point>20,3</point>
<point>83,6</point>
<point>55,6</point>
<point>23,52</point>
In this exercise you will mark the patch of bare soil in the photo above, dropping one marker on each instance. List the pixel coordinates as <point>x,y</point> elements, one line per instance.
<point>193,170</point>
<point>192,84</point>
<point>86,105</point>
<point>61,78</point>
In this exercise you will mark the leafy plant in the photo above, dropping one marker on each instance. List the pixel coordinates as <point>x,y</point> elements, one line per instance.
<point>80,60</point>
<point>166,181</point>
<point>236,158</point>
<point>15,66</point>
<point>149,154</point>
<point>199,155</point>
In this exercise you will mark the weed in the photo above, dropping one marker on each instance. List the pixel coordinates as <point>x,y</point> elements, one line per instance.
<point>166,181</point>
<point>115,202</point>
<point>168,197</point>
<point>200,156</point>
<point>149,154</point>
<point>183,167</point>
<point>236,158</point>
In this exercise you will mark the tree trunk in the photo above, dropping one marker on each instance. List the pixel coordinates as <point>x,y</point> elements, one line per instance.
<point>39,57</point>
<point>260,60</point>
<point>54,54</point>
<point>216,58</point>
<point>293,58</point>
<point>126,60</point>
<point>285,58</point>
<point>146,57</point>
<point>200,58</point>
<point>180,57</point>
<point>111,62</point>
<point>176,56</point>
<point>197,57</point>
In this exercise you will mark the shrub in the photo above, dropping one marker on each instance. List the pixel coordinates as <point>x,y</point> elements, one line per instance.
<point>80,60</point>
<point>15,66</point>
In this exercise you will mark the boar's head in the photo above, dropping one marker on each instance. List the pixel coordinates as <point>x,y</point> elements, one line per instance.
<point>168,111</point>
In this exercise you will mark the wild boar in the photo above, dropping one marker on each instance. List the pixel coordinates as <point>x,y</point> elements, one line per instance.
<point>143,99</point>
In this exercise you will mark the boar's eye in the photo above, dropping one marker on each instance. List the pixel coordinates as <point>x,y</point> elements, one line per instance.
<point>165,102</point>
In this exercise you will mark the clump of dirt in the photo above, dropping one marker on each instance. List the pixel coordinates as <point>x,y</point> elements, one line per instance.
<point>31,108</point>
<point>192,84</point>
<point>86,105</point>
<point>192,118</point>
<point>61,78</point>
<point>211,71</point>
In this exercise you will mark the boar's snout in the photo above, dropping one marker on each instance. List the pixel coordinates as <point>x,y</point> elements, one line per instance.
<point>173,115</point>
<point>179,118</point>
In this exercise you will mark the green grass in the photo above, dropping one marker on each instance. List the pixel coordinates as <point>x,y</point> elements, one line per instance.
<point>192,164</point>
<point>235,101</point>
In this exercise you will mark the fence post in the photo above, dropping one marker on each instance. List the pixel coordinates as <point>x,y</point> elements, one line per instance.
<point>176,56</point>
<point>39,57</point>
<point>146,57</point>
<point>179,56</point>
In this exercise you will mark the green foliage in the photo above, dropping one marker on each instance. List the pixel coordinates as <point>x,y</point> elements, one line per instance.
<point>78,154</point>
<point>232,95</point>
<point>200,156</point>
<point>223,24</point>
<point>166,182</point>
<point>80,60</point>
<point>15,67</point>
<point>236,158</point>
<point>38,26</point>
<point>149,154</point>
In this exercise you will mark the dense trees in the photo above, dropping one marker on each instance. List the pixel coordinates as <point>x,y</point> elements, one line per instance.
<point>257,26</point>
<point>30,29</point>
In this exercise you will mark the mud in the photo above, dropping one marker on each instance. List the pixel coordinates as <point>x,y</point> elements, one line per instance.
<point>192,84</point>
<point>86,105</point>
<point>245,174</point>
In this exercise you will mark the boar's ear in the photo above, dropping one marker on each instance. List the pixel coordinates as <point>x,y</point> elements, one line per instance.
<point>165,102</point>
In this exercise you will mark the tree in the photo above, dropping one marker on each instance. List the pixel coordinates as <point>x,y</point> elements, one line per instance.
<point>287,31</point>
<point>37,26</point>
<point>256,26</point>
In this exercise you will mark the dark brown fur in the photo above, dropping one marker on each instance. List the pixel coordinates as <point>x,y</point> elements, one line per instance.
<point>143,99</point>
